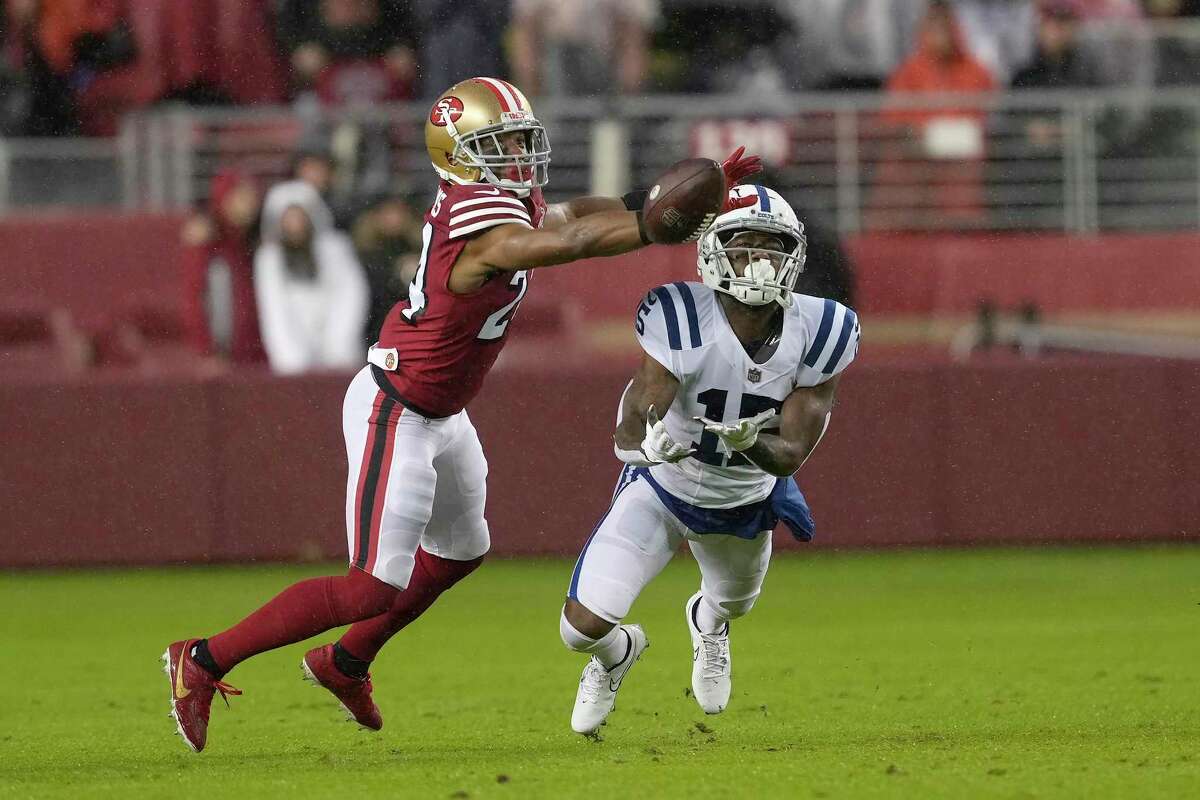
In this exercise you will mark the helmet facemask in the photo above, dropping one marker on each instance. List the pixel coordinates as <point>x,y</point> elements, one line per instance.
<point>490,150</point>
<point>754,270</point>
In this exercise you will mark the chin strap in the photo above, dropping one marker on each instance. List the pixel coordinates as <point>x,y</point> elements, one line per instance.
<point>450,176</point>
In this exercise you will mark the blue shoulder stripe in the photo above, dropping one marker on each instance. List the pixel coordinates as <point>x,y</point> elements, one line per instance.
<point>814,352</point>
<point>689,307</point>
<point>670,316</point>
<point>848,323</point>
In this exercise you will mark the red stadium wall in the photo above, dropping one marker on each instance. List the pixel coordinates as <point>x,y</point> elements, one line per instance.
<point>249,467</point>
<point>921,274</point>
<point>92,264</point>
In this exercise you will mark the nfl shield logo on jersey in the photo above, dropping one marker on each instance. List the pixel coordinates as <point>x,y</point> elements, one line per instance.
<point>754,375</point>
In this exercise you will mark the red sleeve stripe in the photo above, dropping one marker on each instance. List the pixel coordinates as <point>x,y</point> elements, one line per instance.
<point>487,212</point>
<point>508,101</point>
<point>463,230</point>
<point>478,201</point>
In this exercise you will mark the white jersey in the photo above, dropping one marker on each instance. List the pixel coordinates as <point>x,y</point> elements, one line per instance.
<point>683,327</point>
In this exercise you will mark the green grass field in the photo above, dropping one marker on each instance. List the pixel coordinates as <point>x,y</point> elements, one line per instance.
<point>997,673</point>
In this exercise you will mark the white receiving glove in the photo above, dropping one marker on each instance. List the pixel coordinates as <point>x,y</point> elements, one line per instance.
<point>658,446</point>
<point>740,435</point>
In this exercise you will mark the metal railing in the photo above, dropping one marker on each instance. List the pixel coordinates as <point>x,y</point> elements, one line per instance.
<point>1077,161</point>
<point>1033,337</point>
<point>59,172</point>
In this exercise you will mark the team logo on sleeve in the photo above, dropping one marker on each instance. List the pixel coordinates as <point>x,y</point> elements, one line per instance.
<point>390,361</point>
<point>447,110</point>
<point>754,375</point>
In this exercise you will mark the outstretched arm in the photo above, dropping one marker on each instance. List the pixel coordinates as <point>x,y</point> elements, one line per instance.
<point>561,213</point>
<point>509,248</point>
<point>606,233</point>
<point>586,227</point>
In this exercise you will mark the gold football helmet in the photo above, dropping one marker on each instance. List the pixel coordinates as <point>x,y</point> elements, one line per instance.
<point>483,130</point>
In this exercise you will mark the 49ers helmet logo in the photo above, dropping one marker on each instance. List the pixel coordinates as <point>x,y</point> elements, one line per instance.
<point>448,109</point>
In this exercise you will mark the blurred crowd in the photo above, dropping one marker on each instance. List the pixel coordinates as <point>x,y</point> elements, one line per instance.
<point>72,66</point>
<point>300,273</point>
<point>269,276</point>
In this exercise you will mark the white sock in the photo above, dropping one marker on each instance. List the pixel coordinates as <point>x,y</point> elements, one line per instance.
<point>612,648</point>
<point>708,618</point>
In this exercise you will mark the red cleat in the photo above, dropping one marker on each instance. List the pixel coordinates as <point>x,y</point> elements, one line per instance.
<point>192,690</point>
<point>354,694</point>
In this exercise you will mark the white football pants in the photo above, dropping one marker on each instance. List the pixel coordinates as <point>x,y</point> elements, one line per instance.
<point>413,481</point>
<point>636,539</point>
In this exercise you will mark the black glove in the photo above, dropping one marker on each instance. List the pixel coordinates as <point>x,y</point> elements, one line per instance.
<point>634,200</point>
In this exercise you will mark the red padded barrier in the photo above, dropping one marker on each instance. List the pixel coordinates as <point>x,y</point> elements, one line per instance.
<point>875,479</point>
<point>252,467</point>
<point>1083,450</point>
<point>952,273</point>
<point>90,264</point>
<point>280,467</point>
<point>1183,437</point>
<point>87,263</point>
<point>109,471</point>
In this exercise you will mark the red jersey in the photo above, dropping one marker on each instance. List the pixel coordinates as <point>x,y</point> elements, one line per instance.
<point>447,342</point>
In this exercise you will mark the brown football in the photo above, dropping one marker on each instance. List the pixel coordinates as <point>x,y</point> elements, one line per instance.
<point>683,201</point>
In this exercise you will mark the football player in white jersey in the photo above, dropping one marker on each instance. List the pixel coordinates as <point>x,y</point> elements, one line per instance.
<point>735,390</point>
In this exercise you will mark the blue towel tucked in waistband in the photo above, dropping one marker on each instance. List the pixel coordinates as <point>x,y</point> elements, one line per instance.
<point>785,504</point>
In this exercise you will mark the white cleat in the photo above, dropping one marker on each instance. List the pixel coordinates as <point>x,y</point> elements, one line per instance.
<point>598,686</point>
<point>712,667</point>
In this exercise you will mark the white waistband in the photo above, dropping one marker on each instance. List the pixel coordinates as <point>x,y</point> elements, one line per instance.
<point>387,358</point>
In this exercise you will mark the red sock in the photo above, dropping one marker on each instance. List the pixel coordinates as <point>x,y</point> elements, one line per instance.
<point>431,576</point>
<point>302,610</point>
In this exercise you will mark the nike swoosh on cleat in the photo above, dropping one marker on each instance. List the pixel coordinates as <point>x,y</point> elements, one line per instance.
<point>181,691</point>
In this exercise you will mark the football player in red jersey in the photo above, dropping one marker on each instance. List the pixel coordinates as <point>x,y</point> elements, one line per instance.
<point>416,487</point>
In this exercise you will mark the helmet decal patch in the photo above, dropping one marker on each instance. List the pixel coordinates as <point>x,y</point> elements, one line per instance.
<point>446,110</point>
<point>764,199</point>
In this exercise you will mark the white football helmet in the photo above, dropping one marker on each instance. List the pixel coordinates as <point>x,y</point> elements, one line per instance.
<point>769,274</point>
